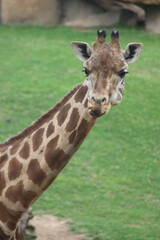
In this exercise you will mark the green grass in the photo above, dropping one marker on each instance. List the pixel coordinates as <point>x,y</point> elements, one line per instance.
<point>110,190</point>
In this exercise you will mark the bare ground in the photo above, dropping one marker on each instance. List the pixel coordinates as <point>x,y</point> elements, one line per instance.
<point>49,227</point>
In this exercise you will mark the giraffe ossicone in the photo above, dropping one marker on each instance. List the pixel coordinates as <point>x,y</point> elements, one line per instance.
<point>30,161</point>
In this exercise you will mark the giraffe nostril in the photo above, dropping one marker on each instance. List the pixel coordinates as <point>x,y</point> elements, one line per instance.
<point>94,99</point>
<point>99,100</point>
<point>103,100</point>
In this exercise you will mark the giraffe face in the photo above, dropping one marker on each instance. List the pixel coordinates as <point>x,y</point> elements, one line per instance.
<point>105,67</point>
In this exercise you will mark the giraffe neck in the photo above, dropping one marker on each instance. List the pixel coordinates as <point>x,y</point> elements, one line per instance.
<point>31,161</point>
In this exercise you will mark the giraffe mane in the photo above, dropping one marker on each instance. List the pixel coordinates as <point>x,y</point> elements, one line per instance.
<point>48,115</point>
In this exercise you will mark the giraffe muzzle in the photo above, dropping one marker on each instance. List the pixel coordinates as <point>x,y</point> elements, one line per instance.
<point>98,106</point>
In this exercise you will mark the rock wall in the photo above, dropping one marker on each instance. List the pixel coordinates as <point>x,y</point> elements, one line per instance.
<point>145,2</point>
<point>153,19</point>
<point>82,13</point>
<point>35,12</point>
<point>78,13</point>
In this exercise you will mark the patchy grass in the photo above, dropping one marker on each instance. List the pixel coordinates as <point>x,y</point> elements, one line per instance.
<point>110,189</point>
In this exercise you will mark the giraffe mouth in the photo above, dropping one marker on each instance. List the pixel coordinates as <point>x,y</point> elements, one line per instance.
<point>96,113</point>
<point>98,106</point>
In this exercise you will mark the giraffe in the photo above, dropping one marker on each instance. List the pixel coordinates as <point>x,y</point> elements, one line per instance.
<point>31,160</point>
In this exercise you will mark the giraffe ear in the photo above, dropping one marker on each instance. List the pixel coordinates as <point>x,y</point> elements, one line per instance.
<point>82,50</point>
<point>132,52</point>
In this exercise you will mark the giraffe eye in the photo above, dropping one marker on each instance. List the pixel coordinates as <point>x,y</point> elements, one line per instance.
<point>86,71</point>
<point>122,73</point>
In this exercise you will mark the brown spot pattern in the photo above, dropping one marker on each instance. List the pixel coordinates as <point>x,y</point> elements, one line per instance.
<point>86,103</point>
<point>81,133</point>
<point>48,183</point>
<point>25,151</point>
<point>50,130</point>
<point>72,124</point>
<point>14,148</point>
<point>63,114</point>
<point>2,148</point>
<point>14,169</point>
<point>79,96</point>
<point>2,182</point>
<point>35,173</point>
<point>9,216</point>
<point>59,159</point>
<point>55,156</point>
<point>72,137</point>
<point>3,160</point>
<point>50,149</point>
<point>37,139</point>
<point>17,193</point>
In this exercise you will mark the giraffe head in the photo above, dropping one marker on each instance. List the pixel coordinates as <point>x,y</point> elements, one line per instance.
<point>105,67</point>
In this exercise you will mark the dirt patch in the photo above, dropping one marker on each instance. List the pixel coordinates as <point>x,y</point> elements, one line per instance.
<point>49,227</point>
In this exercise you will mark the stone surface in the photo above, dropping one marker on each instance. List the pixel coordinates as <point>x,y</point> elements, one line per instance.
<point>35,12</point>
<point>153,19</point>
<point>148,2</point>
<point>81,13</point>
<point>128,18</point>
